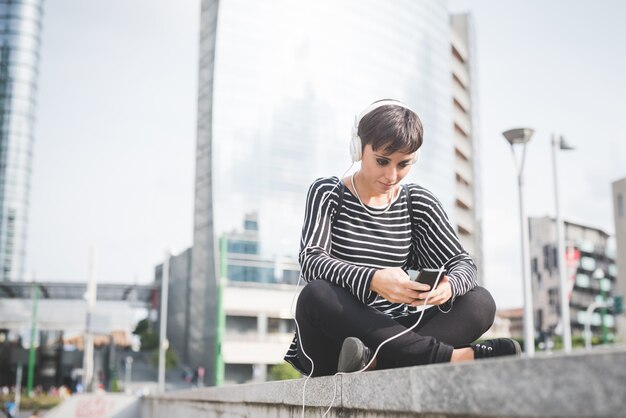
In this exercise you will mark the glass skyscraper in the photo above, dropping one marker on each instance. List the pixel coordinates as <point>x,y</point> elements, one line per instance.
<point>280,84</point>
<point>20,39</point>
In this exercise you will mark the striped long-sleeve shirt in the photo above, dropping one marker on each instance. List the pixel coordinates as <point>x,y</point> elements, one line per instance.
<point>347,245</point>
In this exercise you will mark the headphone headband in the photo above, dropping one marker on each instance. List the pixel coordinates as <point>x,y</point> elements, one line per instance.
<point>356,145</point>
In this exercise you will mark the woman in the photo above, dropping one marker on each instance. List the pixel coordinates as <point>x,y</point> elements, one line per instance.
<point>360,236</point>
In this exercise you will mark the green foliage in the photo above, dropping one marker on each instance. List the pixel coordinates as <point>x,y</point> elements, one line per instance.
<point>115,385</point>
<point>283,371</point>
<point>142,326</point>
<point>41,401</point>
<point>149,340</point>
<point>147,335</point>
<point>171,359</point>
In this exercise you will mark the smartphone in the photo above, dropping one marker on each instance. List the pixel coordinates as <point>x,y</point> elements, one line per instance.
<point>426,276</point>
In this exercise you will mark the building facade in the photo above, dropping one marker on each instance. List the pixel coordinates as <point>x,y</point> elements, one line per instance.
<point>258,327</point>
<point>467,203</point>
<point>256,303</point>
<point>276,103</point>
<point>619,215</point>
<point>178,306</point>
<point>20,40</point>
<point>240,252</point>
<point>591,275</point>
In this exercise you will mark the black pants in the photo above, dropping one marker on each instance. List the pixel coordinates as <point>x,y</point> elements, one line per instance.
<point>327,314</point>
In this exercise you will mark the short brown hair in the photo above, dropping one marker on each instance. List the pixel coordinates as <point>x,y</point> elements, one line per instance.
<point>392,128</point>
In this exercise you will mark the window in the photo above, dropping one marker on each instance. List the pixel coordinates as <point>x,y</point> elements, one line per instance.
<point>273,325</point>
<point>553,296</point>
<point>620,205</point>
<point>582,280</point>
<point>587,246</point>
<point>588,263</point>
<point>241,324</point>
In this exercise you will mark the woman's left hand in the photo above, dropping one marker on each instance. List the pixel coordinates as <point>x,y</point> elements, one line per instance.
<point>439,296</point>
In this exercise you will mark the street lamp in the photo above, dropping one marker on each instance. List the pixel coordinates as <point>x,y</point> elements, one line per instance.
<point>163,342</point>
<point>559,143</point>
<point>514,137</point>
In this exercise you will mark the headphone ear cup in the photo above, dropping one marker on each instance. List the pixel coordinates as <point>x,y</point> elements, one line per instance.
<point>356,148</point>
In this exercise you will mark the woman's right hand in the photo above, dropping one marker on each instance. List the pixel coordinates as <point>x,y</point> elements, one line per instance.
<point>395,285</point>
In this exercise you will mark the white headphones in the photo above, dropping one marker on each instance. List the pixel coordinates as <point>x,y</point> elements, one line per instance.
<point>356,145</point>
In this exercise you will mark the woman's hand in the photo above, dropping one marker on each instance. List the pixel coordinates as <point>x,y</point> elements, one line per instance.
<point>394,285</point>
<point>441,294</point>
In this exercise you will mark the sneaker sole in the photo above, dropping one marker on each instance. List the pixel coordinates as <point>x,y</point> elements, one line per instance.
<point>351,352</point>
<point>518,348</point>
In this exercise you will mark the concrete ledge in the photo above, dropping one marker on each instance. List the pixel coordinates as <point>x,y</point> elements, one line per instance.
<point>582,384</point>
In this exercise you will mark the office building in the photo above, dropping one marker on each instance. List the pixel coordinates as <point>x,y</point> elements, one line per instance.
<point>619,215</point>
<point>467,205</point>
<point>256,302</point>
<point>178,307</point>
<point>20,40</point>
<point>277,98</point>
<point>591,276</point>
<point>245,263</point>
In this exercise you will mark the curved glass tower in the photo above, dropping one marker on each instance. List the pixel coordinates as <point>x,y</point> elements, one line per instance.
<point>20,31</point>
<point>289,78</point>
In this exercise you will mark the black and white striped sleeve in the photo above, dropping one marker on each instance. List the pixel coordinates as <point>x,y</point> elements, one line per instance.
<point>438,245</point>
<point>316,261</point>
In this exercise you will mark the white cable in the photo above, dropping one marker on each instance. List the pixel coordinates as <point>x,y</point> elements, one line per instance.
<point>316,225</point>
<point>293,300</point>
<point>356,192</point>
<point>412,327</point>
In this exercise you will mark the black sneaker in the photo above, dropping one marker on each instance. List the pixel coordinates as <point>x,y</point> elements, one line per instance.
<point>496,348</point>
<point>354,355</point>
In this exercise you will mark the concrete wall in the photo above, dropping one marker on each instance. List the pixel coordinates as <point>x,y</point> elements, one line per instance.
<point>584,384</point>
<point>103,405</point>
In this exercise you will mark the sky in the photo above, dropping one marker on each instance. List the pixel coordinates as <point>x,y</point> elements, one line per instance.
<point>115,138</point>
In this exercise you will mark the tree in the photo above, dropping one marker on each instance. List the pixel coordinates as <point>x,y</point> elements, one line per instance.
<point>171,359</point>
<point>147,335</point>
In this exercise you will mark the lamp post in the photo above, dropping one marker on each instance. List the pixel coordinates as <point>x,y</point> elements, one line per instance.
<point>521,136</point>
<point>163,342</point>
<point>128,372</point>
<point>560,144</point>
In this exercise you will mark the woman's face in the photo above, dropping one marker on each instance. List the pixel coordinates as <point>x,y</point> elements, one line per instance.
<point>381,172</point>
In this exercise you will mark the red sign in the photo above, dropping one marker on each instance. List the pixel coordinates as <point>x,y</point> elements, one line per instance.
<point>572,261</point>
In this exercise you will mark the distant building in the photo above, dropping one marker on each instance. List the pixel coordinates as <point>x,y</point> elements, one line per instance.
<point>61,324</point>
<point>20,42</point>
<point>468,199</point>
<point>178,309</point>
<point>515,319</point>
<point>591,275</point>
<point>508,323</point>
<point>259,327</point>
<point>256,302</point>
<point>619,215</point>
